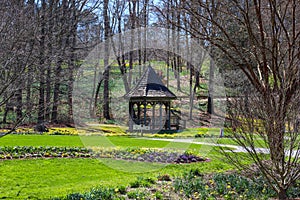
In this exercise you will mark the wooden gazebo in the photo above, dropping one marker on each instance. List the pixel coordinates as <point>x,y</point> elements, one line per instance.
<point>150,105</point>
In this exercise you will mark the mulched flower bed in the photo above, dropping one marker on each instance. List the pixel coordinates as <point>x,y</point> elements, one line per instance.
<point>150,155</point>
<point>135,154</point>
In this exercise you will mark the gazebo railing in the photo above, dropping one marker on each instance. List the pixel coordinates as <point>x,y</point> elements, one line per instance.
<point>175,123</point>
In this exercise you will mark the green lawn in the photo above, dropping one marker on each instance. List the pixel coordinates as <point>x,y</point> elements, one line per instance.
<point>44,178</point>
<point>41,140</point>
<point>91,141</point>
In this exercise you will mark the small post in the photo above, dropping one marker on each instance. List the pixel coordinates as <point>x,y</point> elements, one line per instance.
<point>221,132</point>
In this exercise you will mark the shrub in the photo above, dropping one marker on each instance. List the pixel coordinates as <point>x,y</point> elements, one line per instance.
<point>121,190</point>
<point>136,194</point>
<point>189,185</point>
<point>74,196</point>
<point>164,177</point>
<point>158,195</point>
<point>95,193</point>
<point>294,190</point>
<point>142,182</point>
<point>63,131</point>
<point>228,186</point>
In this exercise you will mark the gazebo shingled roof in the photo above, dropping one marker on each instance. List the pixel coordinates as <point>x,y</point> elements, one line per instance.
<point>150,86</point>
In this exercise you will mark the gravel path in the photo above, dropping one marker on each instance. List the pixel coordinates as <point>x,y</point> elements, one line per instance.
<point>238,149</point>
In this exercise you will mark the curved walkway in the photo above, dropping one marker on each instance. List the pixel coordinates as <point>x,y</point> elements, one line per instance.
<point>237,149</point>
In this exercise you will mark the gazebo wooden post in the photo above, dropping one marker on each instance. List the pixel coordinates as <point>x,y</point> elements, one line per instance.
<point>145,112</point>
<point>160,115</point>
<point>169,115</point>
<point>139,113</point>
<point>153,117</point>
<point>130,116</point>
<point>166,117</point>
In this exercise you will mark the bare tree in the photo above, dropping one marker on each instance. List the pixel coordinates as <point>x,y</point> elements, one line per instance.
<point>39,48</point>
<point>262,39</point>
<point>17,32</point>
<point>106,113</point>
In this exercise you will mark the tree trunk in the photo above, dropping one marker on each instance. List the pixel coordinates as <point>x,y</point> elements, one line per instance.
<point>282,195</point>
<point>48,93</point>
<point>63,43</point>
<point>19,103</point>
<point>29,81</point>
<point>210,103</point>
<point>178,59</point>
<point>121,57</point>
<point>132,12</point>
<point>168,43</point>
<point>41,107</point>
<point>72,62</point>
<point>6,109</point>
<point>106,113</point>
<point>139,35</point>
<point>41,104</point>
<point>56,91</point>
<point>145,32</point>
<point>28,96</point>
<point>49,60</point>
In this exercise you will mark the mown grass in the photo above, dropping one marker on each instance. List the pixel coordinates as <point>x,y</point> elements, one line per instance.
<point>41,140</point>
<point>99,141</point>
<point>42,178</point>
<point>45,178</point>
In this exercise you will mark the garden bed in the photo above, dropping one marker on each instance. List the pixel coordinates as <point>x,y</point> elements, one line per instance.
<point>25,152</point>
<point>151,155</point>
<point>190,185</point>
<point>135,154</point>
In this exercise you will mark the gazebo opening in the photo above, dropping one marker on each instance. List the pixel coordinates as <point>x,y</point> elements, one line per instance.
<point>150,105</point>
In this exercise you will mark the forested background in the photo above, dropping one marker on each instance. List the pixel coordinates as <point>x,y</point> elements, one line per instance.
<point>44,42</point>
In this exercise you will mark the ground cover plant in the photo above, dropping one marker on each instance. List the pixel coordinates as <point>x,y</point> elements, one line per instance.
<point>192,184</point>
<point>26,152</point>
<point>137,154</point>
<point>151,155</point>
<point>117,130</point>
<point>100,129</point>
